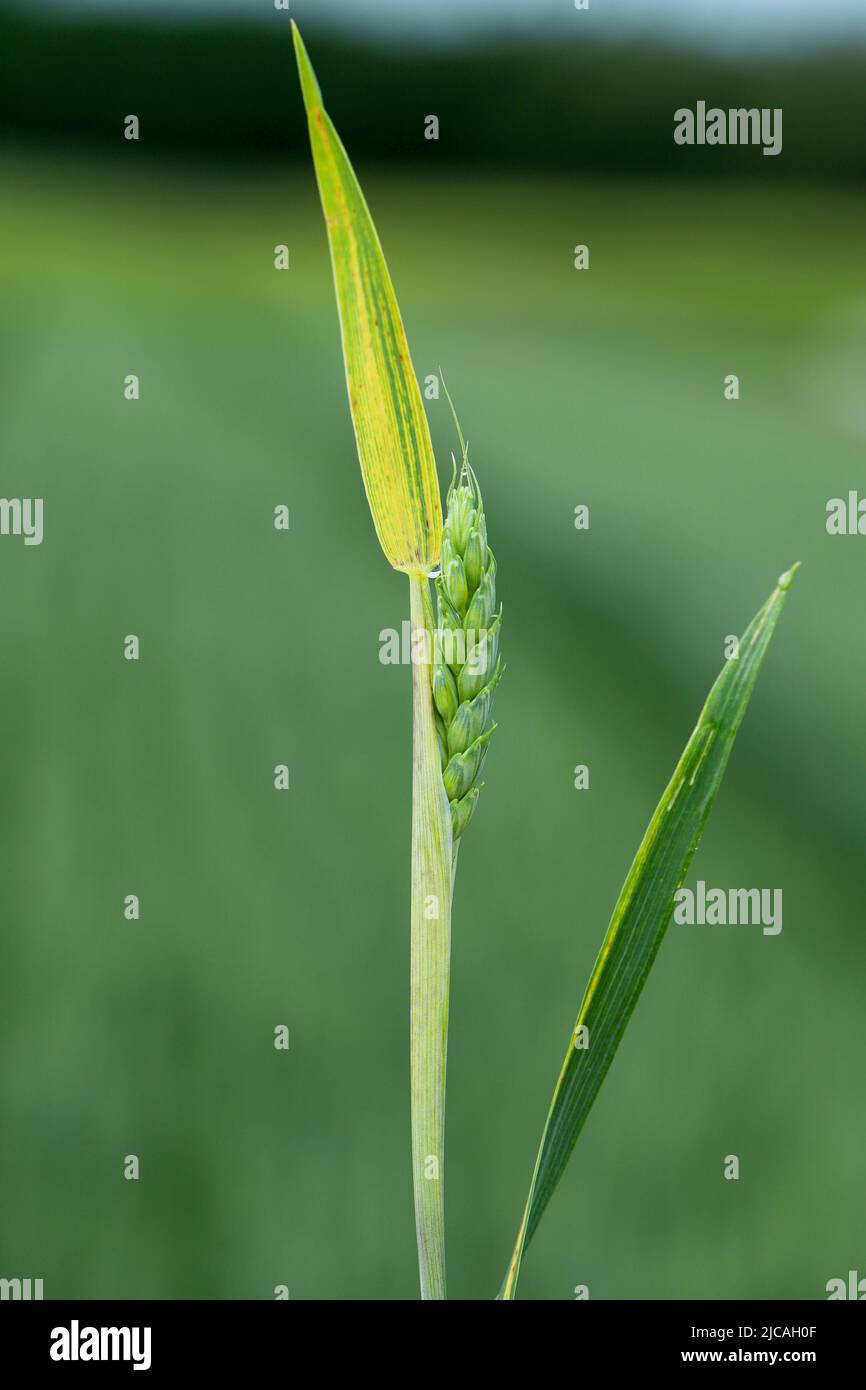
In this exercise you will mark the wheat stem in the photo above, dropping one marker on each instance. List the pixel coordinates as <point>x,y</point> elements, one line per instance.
<point>430,956</point>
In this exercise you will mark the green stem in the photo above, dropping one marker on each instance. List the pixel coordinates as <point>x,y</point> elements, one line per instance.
<point>430,958</point>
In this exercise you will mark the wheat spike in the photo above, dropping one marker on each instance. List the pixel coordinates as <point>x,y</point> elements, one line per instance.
<point>467,665</point>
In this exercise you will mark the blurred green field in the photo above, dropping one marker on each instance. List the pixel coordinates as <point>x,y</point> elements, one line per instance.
<point>258,908</point>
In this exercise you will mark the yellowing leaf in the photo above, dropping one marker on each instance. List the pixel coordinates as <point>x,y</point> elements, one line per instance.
<point>391,429</point>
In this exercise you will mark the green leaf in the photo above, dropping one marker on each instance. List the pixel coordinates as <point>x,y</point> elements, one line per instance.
<point>391,430</point>
<point>641,915</point>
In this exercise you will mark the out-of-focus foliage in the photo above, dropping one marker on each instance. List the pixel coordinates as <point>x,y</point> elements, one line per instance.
<point>223,89</point>
<point>260,907</point>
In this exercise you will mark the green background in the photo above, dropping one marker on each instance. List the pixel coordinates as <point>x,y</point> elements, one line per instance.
<point>259,647</point>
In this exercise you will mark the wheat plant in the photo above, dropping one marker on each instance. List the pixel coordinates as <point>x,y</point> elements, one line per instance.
<point>456,666</point>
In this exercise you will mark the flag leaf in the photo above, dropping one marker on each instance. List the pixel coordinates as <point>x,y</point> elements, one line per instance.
<point>391,430</point>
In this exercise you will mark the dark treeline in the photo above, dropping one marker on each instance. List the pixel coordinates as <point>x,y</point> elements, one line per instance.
<point>226,90</point>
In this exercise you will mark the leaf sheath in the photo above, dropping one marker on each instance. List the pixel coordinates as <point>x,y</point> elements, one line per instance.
<point>430,960</point>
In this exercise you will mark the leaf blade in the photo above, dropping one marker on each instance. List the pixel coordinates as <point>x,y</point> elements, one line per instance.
<point>391,429</point>
<point>641,916</point>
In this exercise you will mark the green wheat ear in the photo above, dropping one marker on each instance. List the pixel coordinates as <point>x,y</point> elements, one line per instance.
<point>467,666</point>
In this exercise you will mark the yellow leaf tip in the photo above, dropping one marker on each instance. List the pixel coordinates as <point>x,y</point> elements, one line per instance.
<point>309,85</point>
